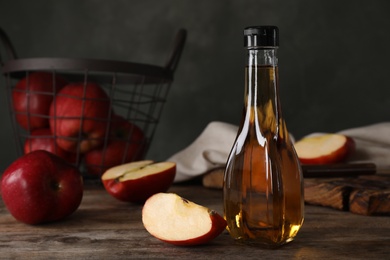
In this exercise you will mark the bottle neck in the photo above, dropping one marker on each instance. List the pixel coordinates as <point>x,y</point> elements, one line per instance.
<point>262,57</point>
<point>261,77</point>
<point>262,106</point>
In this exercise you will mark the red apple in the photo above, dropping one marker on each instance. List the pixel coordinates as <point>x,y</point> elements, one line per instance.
<point>32,96</point>
<point>41,187</point>
<point>42,139</point>
<point>79,116</point>
<point>137,181</point>
<point>324,149</point>
<point>126,143</point>
<point>177,221</point>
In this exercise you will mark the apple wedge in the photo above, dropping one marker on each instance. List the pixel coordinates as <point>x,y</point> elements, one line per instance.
<point>324,149</point>
<point>137,181</point>
<point>175,220</point>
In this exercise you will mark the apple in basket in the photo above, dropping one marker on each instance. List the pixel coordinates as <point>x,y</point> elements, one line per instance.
<point>137,181</point>
<point>175,220</point>
<point>41,187</point>
<point>324,149</point>
<point>126,143</point>
<point>32,97</point>
<point>79,116</point>
<point>42,139</point>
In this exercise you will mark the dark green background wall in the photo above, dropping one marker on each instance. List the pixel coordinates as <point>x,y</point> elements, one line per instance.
<point>334,57</point>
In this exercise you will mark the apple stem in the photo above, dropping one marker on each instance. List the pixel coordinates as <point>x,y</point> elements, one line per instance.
<point>55,185</point>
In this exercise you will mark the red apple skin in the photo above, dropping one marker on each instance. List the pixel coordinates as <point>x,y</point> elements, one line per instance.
<point>27,101</point>
<point>338,156</point>
<point>126,143</point>
<point>351,147</point>
<point>41,187</point>
<point>139,190</point>
<point>79,118</point>
<point>42,139</point>
<point>218,226</point>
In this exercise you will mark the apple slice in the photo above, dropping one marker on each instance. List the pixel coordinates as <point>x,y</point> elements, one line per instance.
<point>137,181</point>
<point>324,149</point>
<point>175,220</point>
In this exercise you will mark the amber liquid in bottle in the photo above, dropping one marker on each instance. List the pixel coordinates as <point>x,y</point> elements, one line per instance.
<point>263,190</point>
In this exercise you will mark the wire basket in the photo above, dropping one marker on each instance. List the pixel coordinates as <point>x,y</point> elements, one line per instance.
<point>94,113</point>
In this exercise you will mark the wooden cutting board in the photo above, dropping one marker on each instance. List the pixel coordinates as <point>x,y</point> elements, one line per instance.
<point>365,195</point>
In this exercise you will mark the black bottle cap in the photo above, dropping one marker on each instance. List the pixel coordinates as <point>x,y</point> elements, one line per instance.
<point>261,36</point>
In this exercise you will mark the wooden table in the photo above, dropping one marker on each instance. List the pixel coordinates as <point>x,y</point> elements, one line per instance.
<point>104,228</point>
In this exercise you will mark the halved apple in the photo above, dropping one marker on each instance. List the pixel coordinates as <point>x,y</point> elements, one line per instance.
<point>324,149</point>
<point>175,220</point>
<point>137,181</point>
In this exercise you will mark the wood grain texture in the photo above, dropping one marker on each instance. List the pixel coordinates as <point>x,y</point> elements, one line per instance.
<point>364,194</point>
<point>372,197</point>
<point>104,228</point>
<point>325,194</point>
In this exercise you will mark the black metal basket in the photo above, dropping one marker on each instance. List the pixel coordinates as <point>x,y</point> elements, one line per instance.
<point>136,92</point>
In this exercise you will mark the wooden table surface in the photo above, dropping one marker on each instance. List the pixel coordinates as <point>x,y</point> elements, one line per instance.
<point>104,228</point>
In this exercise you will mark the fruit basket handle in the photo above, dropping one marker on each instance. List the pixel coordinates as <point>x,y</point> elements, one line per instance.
<point>9,48</point>
<point>171,65</point>
<point>178,46</point>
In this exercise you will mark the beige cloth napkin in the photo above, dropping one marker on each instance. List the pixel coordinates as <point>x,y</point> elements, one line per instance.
<point>211,148</point>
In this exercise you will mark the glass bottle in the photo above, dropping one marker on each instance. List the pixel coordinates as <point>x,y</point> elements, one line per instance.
<point>263,183</point>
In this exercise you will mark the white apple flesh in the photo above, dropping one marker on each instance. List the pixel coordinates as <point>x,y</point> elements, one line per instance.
<point>175,220</point>
<point>324,149</point>
<point>137,181</point>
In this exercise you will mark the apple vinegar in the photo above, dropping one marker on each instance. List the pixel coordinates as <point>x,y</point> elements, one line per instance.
<point>263,185</point>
